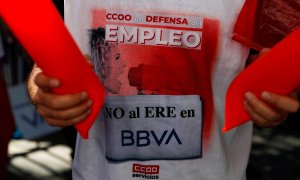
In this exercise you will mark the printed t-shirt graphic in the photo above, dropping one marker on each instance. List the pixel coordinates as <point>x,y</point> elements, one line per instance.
<point>156,68</point>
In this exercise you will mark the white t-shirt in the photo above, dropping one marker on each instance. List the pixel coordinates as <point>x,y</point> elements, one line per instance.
<point>166,66</point>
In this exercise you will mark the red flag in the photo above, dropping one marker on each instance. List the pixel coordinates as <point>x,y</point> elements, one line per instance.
<point>277,71</point>
<point>41,31</point>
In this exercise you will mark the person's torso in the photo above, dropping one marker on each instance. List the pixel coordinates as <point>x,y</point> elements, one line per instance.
<point>165,66</point>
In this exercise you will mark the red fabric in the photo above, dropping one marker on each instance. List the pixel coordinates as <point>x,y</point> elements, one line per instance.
<point>277,71</point>
<point>41,31</point>
<point>264,23</point>
<point>243,30</point>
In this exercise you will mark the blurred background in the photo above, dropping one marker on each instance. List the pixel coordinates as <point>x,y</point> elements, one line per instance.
<point>31,150</point>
